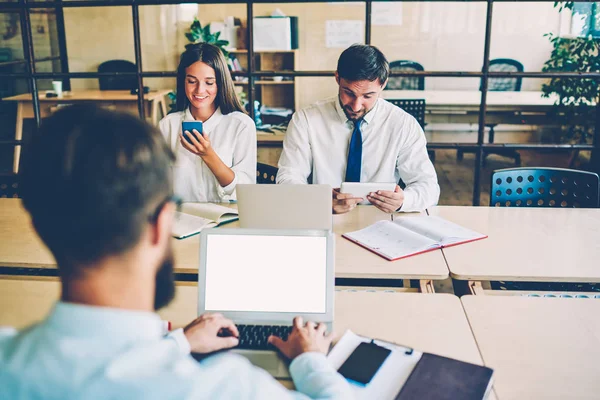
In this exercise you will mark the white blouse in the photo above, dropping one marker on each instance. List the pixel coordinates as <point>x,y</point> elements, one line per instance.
<point>232,136</point>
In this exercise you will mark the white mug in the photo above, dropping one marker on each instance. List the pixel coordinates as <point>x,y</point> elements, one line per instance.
<point>57,86</point>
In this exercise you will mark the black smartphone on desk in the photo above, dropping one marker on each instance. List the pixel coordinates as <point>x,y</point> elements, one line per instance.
<point>364,362</point>
<point>190,126</point>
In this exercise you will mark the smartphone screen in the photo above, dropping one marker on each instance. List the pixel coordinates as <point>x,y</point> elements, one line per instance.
<point>364,362</point>
<point>189,126</point>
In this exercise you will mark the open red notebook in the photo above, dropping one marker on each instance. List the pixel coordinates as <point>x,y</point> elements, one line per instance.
<point>408,236</point>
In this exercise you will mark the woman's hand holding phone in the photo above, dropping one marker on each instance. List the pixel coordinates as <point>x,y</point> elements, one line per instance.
<point>193,139</point>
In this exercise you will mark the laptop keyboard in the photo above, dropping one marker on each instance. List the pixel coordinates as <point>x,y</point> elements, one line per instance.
<point>254,337</point>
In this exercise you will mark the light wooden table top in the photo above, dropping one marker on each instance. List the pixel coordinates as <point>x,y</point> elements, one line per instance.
<point>526,244</point>
<point>91,95</point>
<point>539,348</point>
<point>21,247</point>
<point>428,322</point>
<point>470,99</point>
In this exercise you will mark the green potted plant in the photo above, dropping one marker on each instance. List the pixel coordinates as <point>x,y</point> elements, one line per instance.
<point>576,97</point>
<point>199,34</point>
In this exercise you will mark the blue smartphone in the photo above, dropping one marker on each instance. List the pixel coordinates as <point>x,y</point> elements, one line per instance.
<point>189,126</point>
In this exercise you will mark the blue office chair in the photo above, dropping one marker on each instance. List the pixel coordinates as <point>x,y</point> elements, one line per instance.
<point>266,174</point>
<point>505,84</point>
<point>117,82</point>
<point>500,85</point>
<point>405,82</point>
<point>545,187</point>
<point>9,185</point>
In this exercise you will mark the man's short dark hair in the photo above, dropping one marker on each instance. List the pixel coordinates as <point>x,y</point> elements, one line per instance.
<point>361,62</point>
<point>91,179</point>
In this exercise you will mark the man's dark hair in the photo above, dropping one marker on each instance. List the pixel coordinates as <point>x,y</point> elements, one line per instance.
<point>361,62</point>
<point>91,180</point>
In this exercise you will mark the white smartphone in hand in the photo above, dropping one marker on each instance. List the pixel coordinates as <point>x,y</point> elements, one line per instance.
<point>362,189</point>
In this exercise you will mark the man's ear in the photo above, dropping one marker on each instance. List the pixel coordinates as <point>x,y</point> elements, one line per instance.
<point>161,230</point>
<point>384,84</point>
<point>337,77</point>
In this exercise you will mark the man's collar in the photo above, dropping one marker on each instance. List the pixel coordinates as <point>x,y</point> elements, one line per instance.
<point>86,320</point>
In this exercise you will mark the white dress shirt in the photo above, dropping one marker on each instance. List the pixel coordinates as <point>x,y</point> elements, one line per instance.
<point>85,352</point>
<point>232,136</point>
<point>394,147</point>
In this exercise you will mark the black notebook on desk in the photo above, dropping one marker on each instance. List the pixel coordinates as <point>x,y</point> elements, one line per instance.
<point>440,378</point>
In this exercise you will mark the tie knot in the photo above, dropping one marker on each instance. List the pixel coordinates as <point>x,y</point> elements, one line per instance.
<point>357,122</point>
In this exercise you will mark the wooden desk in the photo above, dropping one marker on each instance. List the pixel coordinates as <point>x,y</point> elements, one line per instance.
<point>526,244</point>
<point>429,322</point>
<point>21,247</point>
<point>115,99</point>
<point>539,348</point>
<point>462,106</point>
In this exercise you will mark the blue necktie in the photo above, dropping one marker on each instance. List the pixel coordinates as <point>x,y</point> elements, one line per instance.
<point>354,154</point>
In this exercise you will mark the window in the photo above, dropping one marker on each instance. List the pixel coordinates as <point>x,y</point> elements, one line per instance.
<point>585,19</point>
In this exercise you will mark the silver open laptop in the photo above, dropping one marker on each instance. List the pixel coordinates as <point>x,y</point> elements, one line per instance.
<point>284,206</point>
<point>262,279</point>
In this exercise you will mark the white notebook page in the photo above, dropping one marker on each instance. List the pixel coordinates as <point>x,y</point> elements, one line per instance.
<point>438,229</point>
<point>392,240</point>
<point>210,211</point>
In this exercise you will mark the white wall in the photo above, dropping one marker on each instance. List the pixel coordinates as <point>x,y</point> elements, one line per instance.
<point>441,36</point>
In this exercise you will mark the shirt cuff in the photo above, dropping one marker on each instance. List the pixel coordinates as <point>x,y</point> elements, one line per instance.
<point>408,202</point>
<point>228,190</point>
<point>182,343</point>
<point>305,364</point>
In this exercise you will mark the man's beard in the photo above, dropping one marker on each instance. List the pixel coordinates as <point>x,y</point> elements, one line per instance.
<point>350,113</point>
<point>165,281</point>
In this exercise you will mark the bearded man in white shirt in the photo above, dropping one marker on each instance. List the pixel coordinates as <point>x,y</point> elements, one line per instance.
<point>359,137</point>
<point>98,187</point>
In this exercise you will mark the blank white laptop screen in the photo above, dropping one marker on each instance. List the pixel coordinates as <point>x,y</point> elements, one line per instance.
<point>259,273</point>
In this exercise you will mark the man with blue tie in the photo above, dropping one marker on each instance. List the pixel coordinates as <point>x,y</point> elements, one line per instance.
<point>359,137</point>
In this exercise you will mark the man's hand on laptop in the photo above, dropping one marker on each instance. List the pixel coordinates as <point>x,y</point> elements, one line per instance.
<point>387,201</point>
<point>206,333</point>
<point>304,338</point>
<point>343,202</point>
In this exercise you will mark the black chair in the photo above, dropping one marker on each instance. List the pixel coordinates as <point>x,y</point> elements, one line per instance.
<point>9,185</point>
<point>405,82</point>
<point>545,187</point>
<point>117,82</point>
<point>266,174</point>
<point>416,108</point>
<point>501,85</point>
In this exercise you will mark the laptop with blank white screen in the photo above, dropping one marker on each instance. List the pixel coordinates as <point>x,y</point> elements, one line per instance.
<point>261,279</point>
<point>284,206</point>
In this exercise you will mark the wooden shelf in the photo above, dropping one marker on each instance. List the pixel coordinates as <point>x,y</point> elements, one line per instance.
<point>264,83</point>
<point>269,138</point>
<point>242,51</point>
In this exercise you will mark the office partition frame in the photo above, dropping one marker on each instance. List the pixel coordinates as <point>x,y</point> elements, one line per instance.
<point>24,8</point>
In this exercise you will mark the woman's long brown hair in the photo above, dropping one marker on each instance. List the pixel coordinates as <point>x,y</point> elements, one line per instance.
<point>212,56</point>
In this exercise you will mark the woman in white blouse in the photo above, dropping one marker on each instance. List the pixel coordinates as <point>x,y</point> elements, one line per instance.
<point>224,154</point>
